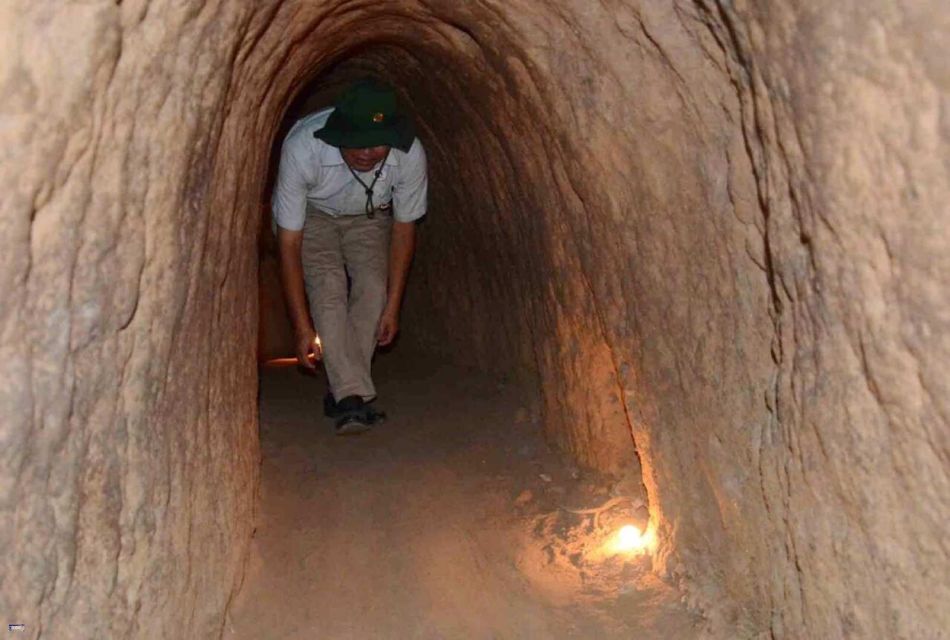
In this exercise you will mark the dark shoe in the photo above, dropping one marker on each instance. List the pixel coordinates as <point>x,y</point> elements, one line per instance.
<point>352,416</point>
<point>352,424</point>
<point>334,409</point>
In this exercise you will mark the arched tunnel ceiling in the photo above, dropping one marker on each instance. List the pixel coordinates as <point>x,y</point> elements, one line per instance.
<point>714,229</point>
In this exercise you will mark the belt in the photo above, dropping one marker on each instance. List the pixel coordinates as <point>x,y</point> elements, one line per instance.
<point>382,209</point>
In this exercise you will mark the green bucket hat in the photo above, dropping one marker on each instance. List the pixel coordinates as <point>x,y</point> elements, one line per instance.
<point>367,115</point>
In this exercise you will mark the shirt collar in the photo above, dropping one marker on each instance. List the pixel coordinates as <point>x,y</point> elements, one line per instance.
<point>330,156</point>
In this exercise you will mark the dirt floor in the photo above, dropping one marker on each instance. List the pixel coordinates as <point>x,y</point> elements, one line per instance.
<point>451,520</point>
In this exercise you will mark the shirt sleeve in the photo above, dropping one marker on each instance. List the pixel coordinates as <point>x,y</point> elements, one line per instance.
<point>410,190</point>
<point>289,202</point>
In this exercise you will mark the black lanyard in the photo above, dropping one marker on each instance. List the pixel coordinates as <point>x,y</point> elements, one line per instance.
<point>370,207</point>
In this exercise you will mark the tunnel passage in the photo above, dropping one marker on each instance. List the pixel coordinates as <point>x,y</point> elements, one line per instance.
<point>486,311</point>
<point>715,230</point>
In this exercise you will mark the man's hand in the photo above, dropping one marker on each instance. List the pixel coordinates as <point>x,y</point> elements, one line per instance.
<point>308,348</point>
<point>388,326</point>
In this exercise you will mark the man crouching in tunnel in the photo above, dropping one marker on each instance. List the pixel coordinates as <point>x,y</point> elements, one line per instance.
<point>350,187</point>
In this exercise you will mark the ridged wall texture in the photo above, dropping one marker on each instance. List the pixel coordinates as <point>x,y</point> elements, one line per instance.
<point>714,234</point>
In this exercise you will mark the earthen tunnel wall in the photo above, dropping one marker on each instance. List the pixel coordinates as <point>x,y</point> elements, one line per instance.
<point>716,230</point>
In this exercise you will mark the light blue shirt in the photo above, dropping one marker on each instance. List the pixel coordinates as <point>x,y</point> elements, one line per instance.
<point>313,171</point>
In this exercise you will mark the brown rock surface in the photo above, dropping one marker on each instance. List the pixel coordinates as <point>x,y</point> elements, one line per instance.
<point>716,229</point>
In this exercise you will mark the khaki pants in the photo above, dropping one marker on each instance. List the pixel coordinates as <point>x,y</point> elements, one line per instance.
<point>334,247</point>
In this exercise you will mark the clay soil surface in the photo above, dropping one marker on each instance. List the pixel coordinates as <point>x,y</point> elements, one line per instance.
<point>449,521</point>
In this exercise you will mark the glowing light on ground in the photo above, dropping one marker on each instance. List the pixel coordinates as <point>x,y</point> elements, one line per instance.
<point>630,540</point>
